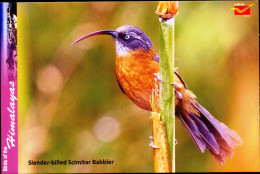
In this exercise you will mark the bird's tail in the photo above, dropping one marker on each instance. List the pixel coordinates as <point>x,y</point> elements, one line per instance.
<point>208,132</point>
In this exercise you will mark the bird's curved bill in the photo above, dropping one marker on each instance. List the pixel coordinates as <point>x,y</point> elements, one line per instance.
<point>108,32</point>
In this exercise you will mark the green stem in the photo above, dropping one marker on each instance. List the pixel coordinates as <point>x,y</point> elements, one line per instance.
<point>167,100</point>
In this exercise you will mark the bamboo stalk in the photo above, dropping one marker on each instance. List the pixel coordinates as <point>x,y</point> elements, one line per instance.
<point>167,10</point>
<point>162,162</point>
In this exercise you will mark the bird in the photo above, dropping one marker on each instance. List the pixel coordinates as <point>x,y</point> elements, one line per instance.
<point>137,67</point>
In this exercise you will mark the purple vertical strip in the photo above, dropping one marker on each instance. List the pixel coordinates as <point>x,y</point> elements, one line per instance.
<point>9,116</point>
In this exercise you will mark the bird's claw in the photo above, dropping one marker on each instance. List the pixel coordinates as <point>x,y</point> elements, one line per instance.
<point>176,141</point>
<point>179,95</point>
<point>174,83</point>
<point>158,77</point>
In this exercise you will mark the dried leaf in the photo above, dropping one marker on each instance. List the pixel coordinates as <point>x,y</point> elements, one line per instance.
<point>167,9</point>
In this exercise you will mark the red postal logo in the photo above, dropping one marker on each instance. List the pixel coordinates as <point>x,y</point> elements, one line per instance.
<point>242,9</point>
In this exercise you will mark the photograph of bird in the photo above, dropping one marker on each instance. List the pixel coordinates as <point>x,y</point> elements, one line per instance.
<point>137,68</point>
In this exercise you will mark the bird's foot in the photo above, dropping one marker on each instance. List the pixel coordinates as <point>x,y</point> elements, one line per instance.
<point>176,141</point>
<point>151,143</point>
<point>158,77</point>
<point>179,95</point>
<point>174,84</point>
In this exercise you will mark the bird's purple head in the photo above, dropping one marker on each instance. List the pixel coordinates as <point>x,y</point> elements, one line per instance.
<point>127,38</point>
<point>133,38</point>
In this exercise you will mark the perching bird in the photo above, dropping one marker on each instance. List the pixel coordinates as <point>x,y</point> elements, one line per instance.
<point>136,67</point>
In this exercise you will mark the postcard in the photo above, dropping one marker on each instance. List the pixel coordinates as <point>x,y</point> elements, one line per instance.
<point>130,87</point>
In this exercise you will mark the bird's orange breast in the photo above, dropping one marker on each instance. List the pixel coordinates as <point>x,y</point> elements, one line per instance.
<point>135,74</point>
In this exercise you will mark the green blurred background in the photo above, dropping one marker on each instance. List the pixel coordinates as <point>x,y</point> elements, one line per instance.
<point>71,107</point>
